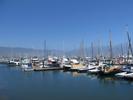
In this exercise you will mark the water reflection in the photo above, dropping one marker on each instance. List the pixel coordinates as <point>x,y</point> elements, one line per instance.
<point>92,77</point>
<point>112,80</point>
<point>105,80</point>
<point>75,74</point>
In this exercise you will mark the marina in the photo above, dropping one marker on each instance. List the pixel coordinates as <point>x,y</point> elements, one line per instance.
<point>76,64</point>
<point>66,50</point>
<point>70,77</point>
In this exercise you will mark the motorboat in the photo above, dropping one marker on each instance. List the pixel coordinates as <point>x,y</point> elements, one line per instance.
<point>65,63</point>
<point>94,68</point>
<point>109,70</point>
<point>76,65</point>
<point>14,62</point>
<point>25,63</point>
<point>127,72</point>
<point>121,74</point>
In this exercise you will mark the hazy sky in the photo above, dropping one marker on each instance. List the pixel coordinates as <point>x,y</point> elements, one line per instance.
<point>27,23</point>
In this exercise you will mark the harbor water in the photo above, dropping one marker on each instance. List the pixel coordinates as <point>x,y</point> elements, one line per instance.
<point>16,84</point>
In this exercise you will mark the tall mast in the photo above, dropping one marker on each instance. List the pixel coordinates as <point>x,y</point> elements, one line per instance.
<point>63,53</point>
<point>129,45</point>
<point>110,45</point>
<point>92,50</point>
<point>99,47</point>
<point>122,52</point>
<point>45,52</point>
<point>11,53</point>
<point>82,55</point>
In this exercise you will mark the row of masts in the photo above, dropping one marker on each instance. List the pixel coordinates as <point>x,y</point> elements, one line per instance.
<point>99,54</point>
<point>111,55</point>
<point>130,50</point>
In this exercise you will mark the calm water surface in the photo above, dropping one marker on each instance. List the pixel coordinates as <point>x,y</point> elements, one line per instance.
<point>58,85</point>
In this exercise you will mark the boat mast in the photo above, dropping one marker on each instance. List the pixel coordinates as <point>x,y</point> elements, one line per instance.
<point>122,52</point>
<point>82,53</point>
<point>99,48</point>
<point>92,50</point>
<point>63,48</point>
<point>110,45</point>
<point>12,53</point>
<point>129,45</point>
<point>44,52</point>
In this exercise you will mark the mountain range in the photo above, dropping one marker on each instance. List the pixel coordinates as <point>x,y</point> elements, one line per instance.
<point>18,51</point>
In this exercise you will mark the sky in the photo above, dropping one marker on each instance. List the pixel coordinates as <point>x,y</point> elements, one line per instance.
<point>64,23</point>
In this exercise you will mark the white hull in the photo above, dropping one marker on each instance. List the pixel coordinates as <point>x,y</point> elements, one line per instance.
<point>91,67</point>
<point>28,69</point>
<point>125,75</point>
<point>122,74</point>
<point>129,75</point>
<point>95,70</point>
<point>82,69</point>
<point>67,66</point>
<point>24,66</point>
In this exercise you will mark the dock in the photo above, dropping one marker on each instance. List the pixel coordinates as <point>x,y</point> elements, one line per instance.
<point>48,69</point>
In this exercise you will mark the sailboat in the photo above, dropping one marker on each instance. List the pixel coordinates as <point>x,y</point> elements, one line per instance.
<point>94,64</point>
<point>110,69</point>
<point>127,71</point>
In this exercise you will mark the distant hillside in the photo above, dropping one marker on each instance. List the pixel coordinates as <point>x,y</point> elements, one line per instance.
<point>12,51</point>
<point>17,51</point>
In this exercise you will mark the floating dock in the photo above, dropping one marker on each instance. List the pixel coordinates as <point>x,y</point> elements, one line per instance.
<point>48,68</point>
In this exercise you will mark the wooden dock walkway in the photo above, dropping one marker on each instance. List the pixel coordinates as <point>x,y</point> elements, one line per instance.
<point>48,69</point>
